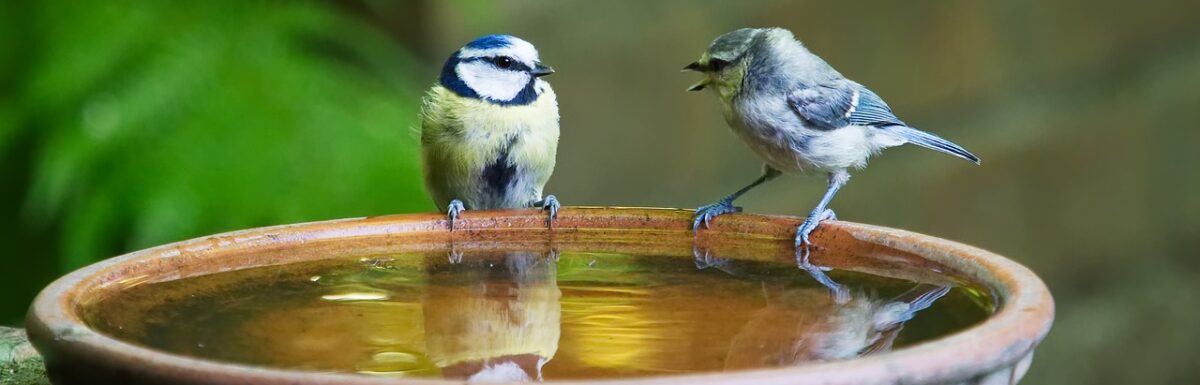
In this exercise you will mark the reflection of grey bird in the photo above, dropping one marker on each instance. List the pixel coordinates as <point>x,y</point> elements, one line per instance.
<point>799,114</point>
<point>799,326</point>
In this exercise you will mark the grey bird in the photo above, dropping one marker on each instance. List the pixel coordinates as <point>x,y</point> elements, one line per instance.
<point>799,115</point>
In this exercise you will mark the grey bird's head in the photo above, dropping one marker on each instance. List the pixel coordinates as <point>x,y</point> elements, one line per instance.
<point>772,56</point>
<point>724,62</point>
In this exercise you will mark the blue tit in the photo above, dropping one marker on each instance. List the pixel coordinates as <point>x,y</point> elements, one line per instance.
<point>489,129</point>
<point>799,115</point>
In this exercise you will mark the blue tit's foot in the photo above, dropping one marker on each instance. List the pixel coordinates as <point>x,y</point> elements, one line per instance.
<point>705,214</point>
<point>551,205</point>
<point>553,255</point>
<point>453,210</point>
<point>454,256</point>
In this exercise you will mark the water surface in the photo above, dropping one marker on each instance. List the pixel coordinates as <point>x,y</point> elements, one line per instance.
<point>521,315</point>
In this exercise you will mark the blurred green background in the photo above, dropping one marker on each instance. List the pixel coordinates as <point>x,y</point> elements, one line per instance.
<point>128,124</point>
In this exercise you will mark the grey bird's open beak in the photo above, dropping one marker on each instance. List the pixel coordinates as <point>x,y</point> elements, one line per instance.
<point>696,66</point>
<point>540,69</point>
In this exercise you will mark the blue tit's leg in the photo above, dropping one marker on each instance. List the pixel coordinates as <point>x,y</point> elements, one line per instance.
<point>820,213</point>
<point>705,214</point>
<point>551,205</point>
<point>453,210</point>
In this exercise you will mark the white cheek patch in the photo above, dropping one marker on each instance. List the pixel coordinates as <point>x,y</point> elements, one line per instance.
<point>490,82</point>
<point>517,49</point>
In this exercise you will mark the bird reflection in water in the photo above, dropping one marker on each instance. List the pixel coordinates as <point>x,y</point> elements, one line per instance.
<point>493,317</point>
<point>802,326</point>
<point>497,317</point>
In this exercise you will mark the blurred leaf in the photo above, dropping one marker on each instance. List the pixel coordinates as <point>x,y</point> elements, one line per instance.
<point>172,120</point>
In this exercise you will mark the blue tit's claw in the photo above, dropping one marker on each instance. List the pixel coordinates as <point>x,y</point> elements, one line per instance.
<point>550,203</point>
<point>455,257</point>
<point>453,210</point>
<point>705,214</point>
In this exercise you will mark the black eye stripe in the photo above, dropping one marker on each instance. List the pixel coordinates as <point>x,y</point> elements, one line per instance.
<point>515,66</point>
<point>717,64</point>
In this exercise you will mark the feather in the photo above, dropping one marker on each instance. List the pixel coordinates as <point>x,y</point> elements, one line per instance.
<point>930,141</point>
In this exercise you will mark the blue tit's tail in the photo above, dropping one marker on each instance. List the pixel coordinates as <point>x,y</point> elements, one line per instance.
<point>930,141</point>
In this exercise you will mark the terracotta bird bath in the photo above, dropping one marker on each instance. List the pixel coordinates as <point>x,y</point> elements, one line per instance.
<point>997,349</point>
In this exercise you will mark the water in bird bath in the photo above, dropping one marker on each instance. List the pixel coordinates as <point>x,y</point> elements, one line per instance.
<point>524,315</point>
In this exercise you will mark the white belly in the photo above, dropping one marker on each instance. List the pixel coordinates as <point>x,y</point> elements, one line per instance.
<point>781,138</point>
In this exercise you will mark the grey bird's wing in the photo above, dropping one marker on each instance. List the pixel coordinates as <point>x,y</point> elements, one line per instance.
<point>840,104</point>
<point>845,103</point>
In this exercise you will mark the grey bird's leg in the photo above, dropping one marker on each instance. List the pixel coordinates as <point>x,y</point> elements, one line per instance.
<point>705,214</point>
<point>837,179</point>
<point>550,204</point>
<point>453,210</point>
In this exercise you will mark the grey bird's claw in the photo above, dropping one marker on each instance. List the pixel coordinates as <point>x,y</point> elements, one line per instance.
<point>453,210</point>
<point>550,203</point>
<point>811,224</point>
<point>455,257</point>
<point>840,292</point>
<point>703,259</point>
<point>804,249</point>
<point>705,214</point>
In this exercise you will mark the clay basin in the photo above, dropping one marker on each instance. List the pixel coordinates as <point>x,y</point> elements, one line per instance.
<point>608,296</point>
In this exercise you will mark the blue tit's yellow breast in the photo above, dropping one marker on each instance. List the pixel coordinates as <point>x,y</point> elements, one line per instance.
<point>463,137</point>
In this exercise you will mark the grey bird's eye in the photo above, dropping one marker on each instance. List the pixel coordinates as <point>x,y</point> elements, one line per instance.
<point>503,62</point>
<point>717,64</point>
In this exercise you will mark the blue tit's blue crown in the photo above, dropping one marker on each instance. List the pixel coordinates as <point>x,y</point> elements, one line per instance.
<point>490,41</point>
<point>511,85</point>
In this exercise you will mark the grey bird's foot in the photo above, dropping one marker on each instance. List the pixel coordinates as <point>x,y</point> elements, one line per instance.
<point>804,249</point>
<point>703,259</point>
<point>705,214</point>
<point>808,226</point>
<point>453,210</point>
<point>454,256</point>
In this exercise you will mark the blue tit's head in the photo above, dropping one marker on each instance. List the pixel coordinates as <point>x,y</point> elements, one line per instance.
<point>500,69</point>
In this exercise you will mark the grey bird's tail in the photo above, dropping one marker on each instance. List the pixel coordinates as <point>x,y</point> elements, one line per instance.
<point>930,141</point>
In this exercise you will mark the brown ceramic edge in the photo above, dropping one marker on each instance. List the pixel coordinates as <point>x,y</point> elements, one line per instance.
<point>1000,342</point>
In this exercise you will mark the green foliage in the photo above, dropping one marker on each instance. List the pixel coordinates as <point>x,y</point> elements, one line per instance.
<point>168,120</point>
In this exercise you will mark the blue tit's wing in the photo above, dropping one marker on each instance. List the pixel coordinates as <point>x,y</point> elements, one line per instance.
<point>841,103</point>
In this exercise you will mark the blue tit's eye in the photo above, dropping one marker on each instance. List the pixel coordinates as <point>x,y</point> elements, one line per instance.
<point>717,64</point>
<point>503,62</point>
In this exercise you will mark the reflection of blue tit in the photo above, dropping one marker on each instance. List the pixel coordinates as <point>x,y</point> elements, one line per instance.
<point>799,114</point>
<point>489,129</point>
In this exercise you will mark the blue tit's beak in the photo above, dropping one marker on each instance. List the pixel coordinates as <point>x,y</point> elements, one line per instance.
<point>540,70</point>
<point>695,66</point>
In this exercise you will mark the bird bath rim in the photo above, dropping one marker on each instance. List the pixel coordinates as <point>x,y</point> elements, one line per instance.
<point>999,347</point>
